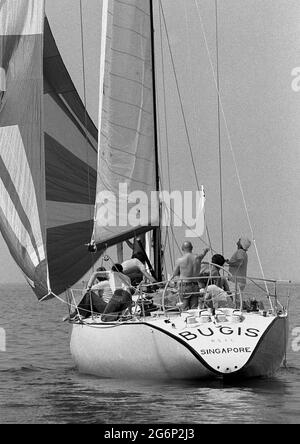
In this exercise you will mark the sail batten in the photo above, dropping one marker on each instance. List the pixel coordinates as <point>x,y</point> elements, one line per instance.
<point>126,142</point>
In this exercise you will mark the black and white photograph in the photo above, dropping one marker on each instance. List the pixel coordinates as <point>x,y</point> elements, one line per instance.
<point>149,215</point>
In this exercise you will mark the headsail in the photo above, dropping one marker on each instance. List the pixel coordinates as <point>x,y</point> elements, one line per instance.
<point>47,161</point>
<point>22,185</point>
<point>127,158</point>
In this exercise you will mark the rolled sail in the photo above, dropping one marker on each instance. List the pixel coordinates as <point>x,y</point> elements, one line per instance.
<point>127,155</point>
<point>22,184</point>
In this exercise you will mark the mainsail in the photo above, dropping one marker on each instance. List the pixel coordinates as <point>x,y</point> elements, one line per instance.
<point>127,162</point>
<point>47,159</point>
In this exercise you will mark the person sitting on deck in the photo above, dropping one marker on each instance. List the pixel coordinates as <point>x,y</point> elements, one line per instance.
<point>96,296</point>
<point>110,296</point>
<point>121,299</point>
<point>189,266</point>
<point>216,297</point>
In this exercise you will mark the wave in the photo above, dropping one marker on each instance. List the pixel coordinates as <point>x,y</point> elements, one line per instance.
<point>290,369</point>
<point>24,369</point>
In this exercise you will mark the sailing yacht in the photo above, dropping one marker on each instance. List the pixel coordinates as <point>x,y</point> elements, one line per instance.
<point>65,185</point>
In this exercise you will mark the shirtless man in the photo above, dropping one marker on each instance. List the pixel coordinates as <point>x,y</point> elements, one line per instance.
<point>136,270</point>
<point>189,266</point>
<point>135,267</point>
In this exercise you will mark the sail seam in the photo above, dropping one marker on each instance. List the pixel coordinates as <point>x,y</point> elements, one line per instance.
<point>61,102</point>
<point>132,6</point>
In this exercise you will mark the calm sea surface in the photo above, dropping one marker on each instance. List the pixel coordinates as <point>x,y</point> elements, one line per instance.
<point>39,384</point>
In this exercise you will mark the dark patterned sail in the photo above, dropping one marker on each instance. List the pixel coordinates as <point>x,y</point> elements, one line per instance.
<point>48,154</point>
<point>22,184</point>
<point>71,163</point>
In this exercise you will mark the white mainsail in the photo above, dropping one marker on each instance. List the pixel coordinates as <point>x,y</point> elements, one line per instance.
<point>127,157</point>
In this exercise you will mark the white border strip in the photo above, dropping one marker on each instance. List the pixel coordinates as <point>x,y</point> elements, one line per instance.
<point>101,85</point>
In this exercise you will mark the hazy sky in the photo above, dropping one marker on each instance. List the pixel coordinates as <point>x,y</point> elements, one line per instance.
<point>259,43</point>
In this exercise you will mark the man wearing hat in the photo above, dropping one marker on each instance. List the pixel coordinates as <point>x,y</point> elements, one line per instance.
<point>239,262</point>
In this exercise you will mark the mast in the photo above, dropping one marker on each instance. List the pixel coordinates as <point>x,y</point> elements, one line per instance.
<point>219,129</point>
<point>157,231</point>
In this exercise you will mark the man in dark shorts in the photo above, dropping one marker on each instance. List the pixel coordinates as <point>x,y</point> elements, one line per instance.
<point>189,266</point>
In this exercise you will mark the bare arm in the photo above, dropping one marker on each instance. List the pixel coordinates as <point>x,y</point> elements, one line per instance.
<point>149,277</point>
<point>176,270</point>
<point>142,269</point>
<point>198,260</point>
<point>204,253</point>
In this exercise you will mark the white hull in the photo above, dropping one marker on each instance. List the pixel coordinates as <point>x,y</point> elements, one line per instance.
<point>154,349</point>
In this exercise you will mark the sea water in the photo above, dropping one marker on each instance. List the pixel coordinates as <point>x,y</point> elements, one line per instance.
<point>39,384</point>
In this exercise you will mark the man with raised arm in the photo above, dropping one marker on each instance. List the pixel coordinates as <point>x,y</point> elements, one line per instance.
<point>189,266</point>
<point>238,263</point>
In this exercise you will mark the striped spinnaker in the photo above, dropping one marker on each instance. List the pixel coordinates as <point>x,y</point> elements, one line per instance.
<point>22,185</point>
<point>48,154</point>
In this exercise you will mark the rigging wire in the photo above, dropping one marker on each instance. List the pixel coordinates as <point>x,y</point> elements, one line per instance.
<point>86,119</point>
<point>190,79</point>
<point>183,112</point>
<point>179,96</point>
<point>193,231</point>
<point>165,115</point>
<point>161,180</point>
<point>222,110</point>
